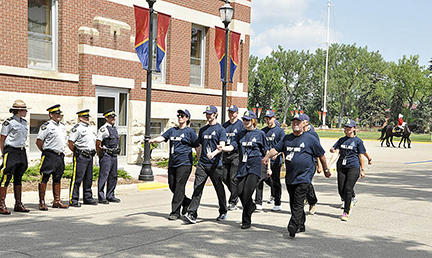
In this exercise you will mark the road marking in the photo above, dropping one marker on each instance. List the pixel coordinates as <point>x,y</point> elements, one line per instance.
<point>418,162</point>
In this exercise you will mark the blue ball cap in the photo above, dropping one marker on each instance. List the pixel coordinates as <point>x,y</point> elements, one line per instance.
<point>249,115</point>
<point>210,110</point>
<point>299,117</point>
<point>350,123</point>
<point>270,113</point>
<point>186,112</point>
<point>306,117</point>
<point>233,108</point>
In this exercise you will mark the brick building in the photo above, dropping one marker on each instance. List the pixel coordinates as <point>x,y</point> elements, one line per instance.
<point>81,54</point>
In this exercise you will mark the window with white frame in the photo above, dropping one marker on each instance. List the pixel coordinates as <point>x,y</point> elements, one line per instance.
<point>197,60</point>
<point>156,129</point>
<point>196,125</point>
<point>158,77</point>
<point>42,34</point>
<point>36,120</point>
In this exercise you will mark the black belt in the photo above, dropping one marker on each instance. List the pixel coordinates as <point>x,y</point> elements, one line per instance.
<point>112,151</point>
<point>15,148</point>
<point>85,153</point>
<point>58,153</point>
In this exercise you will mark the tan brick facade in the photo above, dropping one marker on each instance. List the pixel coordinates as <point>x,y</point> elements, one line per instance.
<point>96,40</point>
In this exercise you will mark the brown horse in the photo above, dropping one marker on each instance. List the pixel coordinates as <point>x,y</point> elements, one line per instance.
<point>387,135</point>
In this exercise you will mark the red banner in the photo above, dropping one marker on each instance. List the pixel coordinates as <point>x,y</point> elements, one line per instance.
<point>296,112</point>
<point>259,112</point>
<point>254,110</point>
<point>220,49</point>
<point>142,34</point>
<point>234,47</point>
<point>163,21</point>
<point>292,113</point>
<point>301,111</point>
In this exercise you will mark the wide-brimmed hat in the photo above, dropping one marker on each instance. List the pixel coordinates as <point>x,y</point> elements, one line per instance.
<point>18,105</point>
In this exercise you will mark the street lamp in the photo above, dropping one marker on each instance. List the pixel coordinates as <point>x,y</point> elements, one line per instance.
<point>146,173</point>
<point>226,14</point>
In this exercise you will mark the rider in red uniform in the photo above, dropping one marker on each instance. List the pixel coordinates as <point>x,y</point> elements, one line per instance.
<point>401,123</point>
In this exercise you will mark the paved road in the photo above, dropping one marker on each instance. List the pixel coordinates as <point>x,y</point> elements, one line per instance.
<point>391,219</point>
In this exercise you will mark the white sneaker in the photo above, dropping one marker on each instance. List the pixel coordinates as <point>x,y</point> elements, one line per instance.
<point>354,200</point>
<point>258,207</point>
<point>277,208</point>
<point>312,209</point>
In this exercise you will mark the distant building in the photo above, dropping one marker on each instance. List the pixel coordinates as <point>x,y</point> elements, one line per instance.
<point>81,54</point>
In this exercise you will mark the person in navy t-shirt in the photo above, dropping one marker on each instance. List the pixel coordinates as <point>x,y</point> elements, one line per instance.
<point>180,162</point>
<point>252,145</point>
<point>231,159</point>
<point>350,164</point>
<point>300,149</point>
<point>311,197</point>
<point>273,134</point>
<point>209,137</point>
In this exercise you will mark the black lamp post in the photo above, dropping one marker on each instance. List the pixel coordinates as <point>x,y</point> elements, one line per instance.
<point>226,14</point>
<point>146,173</point>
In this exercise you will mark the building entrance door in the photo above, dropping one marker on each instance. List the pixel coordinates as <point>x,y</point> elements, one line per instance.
<point>117,99</point>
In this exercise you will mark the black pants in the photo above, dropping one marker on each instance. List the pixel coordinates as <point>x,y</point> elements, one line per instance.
<point>274,183</point>
<point>246,186</point>
<point>108,175</point>
<point>14,164</point>
<point>297,194</point>
<point>311,196</point>
<point>201,175</point>
<point>347,177</point>
<point>177,179</point>
<point>52,163</point>
<point>231,162</point>
<point>82,172</point>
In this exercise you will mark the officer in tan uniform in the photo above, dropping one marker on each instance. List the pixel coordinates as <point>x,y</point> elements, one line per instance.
<point>82,140</point>
<point>12,144</point>
<point>51,141</point>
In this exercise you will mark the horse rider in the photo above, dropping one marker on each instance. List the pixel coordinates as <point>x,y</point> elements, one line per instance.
<point>401,124</point>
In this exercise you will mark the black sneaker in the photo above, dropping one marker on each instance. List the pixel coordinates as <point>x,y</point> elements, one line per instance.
<point>222,217</point>
<point>232,207</point>
<point>245,226</point>
<point>173,217</point>
<point>190,218</point>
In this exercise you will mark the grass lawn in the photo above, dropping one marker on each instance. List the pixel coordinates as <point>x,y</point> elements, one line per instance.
<point>367,135</point>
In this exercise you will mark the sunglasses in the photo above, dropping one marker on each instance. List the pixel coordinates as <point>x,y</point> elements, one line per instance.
<point>181,115</point>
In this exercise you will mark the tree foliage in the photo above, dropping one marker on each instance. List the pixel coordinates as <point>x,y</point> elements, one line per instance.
<point>361,85</point>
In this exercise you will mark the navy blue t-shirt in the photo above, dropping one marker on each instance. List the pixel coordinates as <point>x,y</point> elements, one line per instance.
<point>274,135</point>
<point>252,146</point>
<point>312,132</point>
<point>181,141</point>
<point>300,152</point>
<point>350,148</point>
<point>232,130</point>
<point>209,137</point>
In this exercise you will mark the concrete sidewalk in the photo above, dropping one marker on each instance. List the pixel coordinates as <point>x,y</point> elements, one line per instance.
<point>391,219</point>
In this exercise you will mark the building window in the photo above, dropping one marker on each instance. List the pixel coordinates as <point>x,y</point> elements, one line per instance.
<point>196,125</point>
<point>36,120</point>
<point>158,77</point>
<point>42,34</point>
<point>156,127</point>
<point>197,56</point>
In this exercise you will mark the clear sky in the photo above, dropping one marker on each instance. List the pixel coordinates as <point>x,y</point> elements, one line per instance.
<point>394,27</point>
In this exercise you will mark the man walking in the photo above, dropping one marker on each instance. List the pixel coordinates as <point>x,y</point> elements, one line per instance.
<point>209,137</point>
<point>299,149</point>
<point>231,159</point>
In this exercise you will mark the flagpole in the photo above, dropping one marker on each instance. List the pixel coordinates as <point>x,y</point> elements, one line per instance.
<point>146,173</point>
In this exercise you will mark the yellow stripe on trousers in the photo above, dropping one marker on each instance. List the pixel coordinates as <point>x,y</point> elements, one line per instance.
<point>2,183</point>
<point>72,180</point>
<point>40,165</point>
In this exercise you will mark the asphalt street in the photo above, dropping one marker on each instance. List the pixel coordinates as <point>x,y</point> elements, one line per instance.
<point>391,219</point>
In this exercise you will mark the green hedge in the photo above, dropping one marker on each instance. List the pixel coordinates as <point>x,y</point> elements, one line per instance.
<point>32,173</point>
